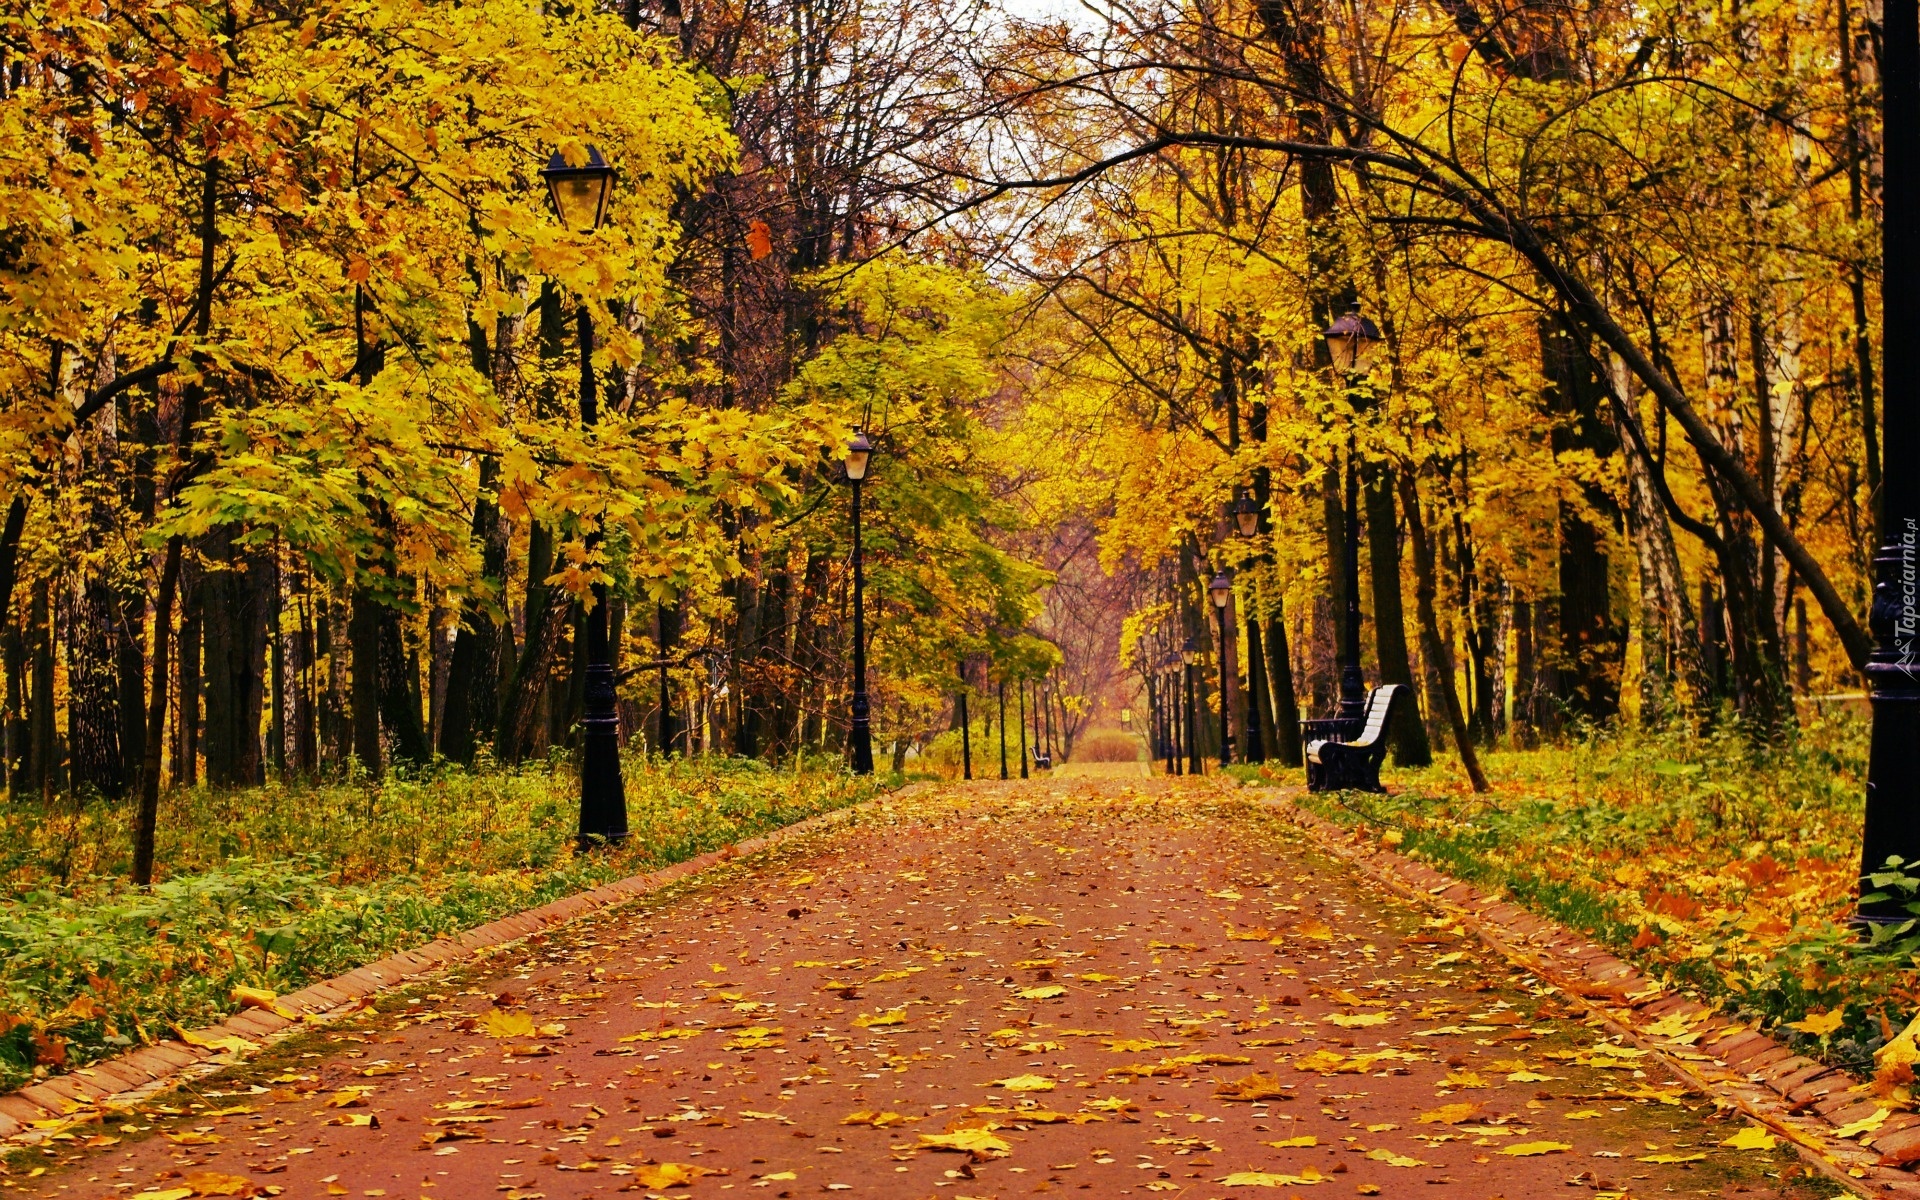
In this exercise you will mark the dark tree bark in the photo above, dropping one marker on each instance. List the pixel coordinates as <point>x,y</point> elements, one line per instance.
<point>186,752</point>
<point>93,694</point>
<point>18,748</point>
<point>1286,705</point>
<point>234,628</point>
<point>1433,646</point>
<point>1410,746</point>
<point>277,640</point>
<point>1259,711</point>
<point>130,664</point>
<point>473,677</point>
<point>1593,644</point>
<point>400,690</point>
<point>1525,729</point>
<point>521,708</point>
<point>301,662</point>
<point>363,636</point>
<point>669,641</point>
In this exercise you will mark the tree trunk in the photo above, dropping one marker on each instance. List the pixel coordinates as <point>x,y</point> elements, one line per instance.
<point>93,693</point>
<point>277,639</point>
<point>1286,705</point>
<point>146,819</point>
<point>130,654</point>
<point>1669,635</point>
<point>1433,646</point>
<point>17,747</point>
<point>363,638</point>
<point>186,753</point>
<point>399,681</point>
<point>1525,728</point>
<point>1592,644</point>
<point>473,677</point>
<point>520,709</point>
<point>233,610</point>
<point>1409,733</point>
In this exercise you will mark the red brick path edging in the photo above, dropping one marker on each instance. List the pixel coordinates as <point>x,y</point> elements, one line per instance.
<point>42,1108</point>
<point>1730,1062</point>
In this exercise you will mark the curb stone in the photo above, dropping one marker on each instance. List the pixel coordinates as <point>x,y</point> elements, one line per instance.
<point>1729,1062</point>
<point>31,1114</point>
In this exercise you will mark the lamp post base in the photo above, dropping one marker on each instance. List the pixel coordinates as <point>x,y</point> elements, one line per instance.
<point>603,794</point>
<point>861,747</point>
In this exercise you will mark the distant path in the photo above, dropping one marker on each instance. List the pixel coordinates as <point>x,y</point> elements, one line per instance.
<point>1123,988</point>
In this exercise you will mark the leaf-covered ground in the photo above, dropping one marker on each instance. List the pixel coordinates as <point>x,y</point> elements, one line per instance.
<point>276,887</point>
<point>1727,870</point>
<point>1123,988</point>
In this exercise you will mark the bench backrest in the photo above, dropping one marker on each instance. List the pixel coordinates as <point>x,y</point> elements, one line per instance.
<point>1379,705</point>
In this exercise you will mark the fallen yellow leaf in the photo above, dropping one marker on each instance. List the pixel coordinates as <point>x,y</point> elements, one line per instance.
<point>1293,1143</point>
<point>1025,1083</point>
<point>878,1120</point>
<point>1529,1149</point>
<point>978,1142</point>
<point>1820,1024</point>
<point>1672,1158</point>
<point>1044,992</point>
<point>505,1023</point>
<point>261,998</point>
<point>1864,1125</point>
<point>1753,1137</point>
<point>1306,1177</point>
<point>1394,1160</point>
<point>668,1174</point>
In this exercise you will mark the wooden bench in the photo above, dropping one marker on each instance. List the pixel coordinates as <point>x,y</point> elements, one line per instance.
<point>1345,755</point>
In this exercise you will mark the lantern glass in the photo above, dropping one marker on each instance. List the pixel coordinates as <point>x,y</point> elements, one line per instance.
<point>859,453</point>
<point>1246,516</point>
<point>1188,654</point>
<point>1221,589</point>
<point>1353,342</point>
<point>580,194</point>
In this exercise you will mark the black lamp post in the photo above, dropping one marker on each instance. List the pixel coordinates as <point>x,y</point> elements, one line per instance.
<point>1221,590</point>
<point>580,195</point>
<point>858,456</point>
<point>1352,342</point>
<point>1176,718</point>
<point>1023,729</point>
<point>1188,657</point>
<point>966,727</point>
<point>1892,828</point>
<point>1246,524</point>
<point>1003,729</point>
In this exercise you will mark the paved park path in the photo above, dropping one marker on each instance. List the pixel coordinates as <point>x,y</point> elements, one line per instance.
<point>1097,987</point>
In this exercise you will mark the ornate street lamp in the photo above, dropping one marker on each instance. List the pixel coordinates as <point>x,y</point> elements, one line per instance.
<point>579,195</point>
<point>1352,342</point>
<point>855,459</point>
<point>1246,516</point>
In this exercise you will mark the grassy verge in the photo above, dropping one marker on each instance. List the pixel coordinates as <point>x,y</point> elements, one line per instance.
<point>1727,870</point>
<point>276,887</point>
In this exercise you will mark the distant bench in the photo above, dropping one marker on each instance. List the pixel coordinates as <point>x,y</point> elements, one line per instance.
<point>1337,759</point>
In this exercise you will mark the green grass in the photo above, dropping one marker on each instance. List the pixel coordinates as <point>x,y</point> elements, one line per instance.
<point>279,886</point>
<point>1724,868</point>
